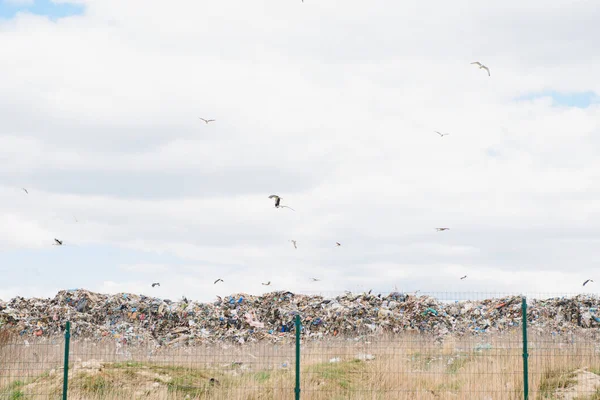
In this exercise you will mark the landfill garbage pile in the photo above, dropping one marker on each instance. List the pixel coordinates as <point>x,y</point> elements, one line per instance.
<point>240,318</point>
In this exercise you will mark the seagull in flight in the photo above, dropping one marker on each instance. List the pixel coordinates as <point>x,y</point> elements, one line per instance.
<point>338,244</point>
<point>218,280</point>
<point>481,66</point>
<point>442,229</point>
<point>155,284</point>
<point>294,243</point>
<point>25,190</point>
<point>57,242</point>
<point>206,121</point>
<point>589,280</point>
<point>463,277</point>
<point>441,134</point>
<point>315,279</point>
<point>278,202</point>
<point>266,284</point>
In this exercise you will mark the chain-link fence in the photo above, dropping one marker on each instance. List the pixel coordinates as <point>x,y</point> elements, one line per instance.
<point>453,346</point>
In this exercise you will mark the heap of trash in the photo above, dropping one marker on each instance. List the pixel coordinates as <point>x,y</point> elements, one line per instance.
<point>240,318</point>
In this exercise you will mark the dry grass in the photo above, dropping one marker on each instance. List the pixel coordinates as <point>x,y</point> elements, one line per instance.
<point>399,367</point>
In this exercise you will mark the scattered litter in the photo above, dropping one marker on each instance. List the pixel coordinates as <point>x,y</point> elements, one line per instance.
<point>365,357</point>
<point>483,346</point>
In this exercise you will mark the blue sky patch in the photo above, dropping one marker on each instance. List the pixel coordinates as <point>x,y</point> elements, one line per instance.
<point>572,99</point>
<point>491,152</point>
<point>45,8</point>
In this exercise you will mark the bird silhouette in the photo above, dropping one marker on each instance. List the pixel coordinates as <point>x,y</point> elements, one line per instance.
<point>206,121</point>
<point>25,190</point>
<point>442,229</point>
<point>481,66</point>
<point>57,242</point>
<point>294,243</point>
<point>155,284</point>
<point>463,277</point>
<point>266,284</point>
<point>278,202</point>
<point>589,280</point>
<point>338,244</point>
<point>277,199</point>
<point>441,134</point>
<point>315,279</point>
<point>218,280</point>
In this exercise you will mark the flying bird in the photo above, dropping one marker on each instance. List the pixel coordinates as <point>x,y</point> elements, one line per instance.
<point>206,121</point>
<point>266,284</point>
<point>155,284</point>
<point>589,280</point>
<point>25,190</point>
<point>442,229</point>
<point>338,244</point>
<point>481,66</point>
<point>218,280</point>
<point>463,277</point>
<point>441,134</point>
<point>294,243</point>
<point>277,199</point>
<point>278,202</point>
<point>315,279</point>
<point>58,242</point>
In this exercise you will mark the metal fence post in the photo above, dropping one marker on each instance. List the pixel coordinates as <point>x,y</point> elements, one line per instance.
<point>525,353</point>
<point>298,328</point>
<point>66,367</point>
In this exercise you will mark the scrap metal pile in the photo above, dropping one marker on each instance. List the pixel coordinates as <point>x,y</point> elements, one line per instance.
<point>134,319</point>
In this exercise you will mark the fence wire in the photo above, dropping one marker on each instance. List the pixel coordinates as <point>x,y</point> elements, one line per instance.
<point>30,367</point>
<point>431,356</point>
<point>115,371</point>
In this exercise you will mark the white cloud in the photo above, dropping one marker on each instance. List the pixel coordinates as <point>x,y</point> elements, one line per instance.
<point>334,109</point>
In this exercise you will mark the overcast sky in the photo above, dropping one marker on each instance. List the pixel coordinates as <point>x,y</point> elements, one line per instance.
<point>330,104</point>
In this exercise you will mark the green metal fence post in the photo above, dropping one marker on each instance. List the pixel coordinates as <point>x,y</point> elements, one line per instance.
<point>525,353</point>
<point>66,367</point>
<point>298,328</point>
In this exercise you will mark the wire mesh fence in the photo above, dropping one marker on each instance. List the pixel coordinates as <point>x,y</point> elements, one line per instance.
<point>30,366</point>
<point>414,367</point>
<point>428,346</point>
<point>422,352</point>
<point>110,371</point>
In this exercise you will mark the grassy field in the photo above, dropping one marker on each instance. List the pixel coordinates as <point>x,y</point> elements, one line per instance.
<point>399,367</point>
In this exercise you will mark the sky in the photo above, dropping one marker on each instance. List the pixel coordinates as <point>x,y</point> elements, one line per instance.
<point>47,8</point>
<point>333,106</point>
